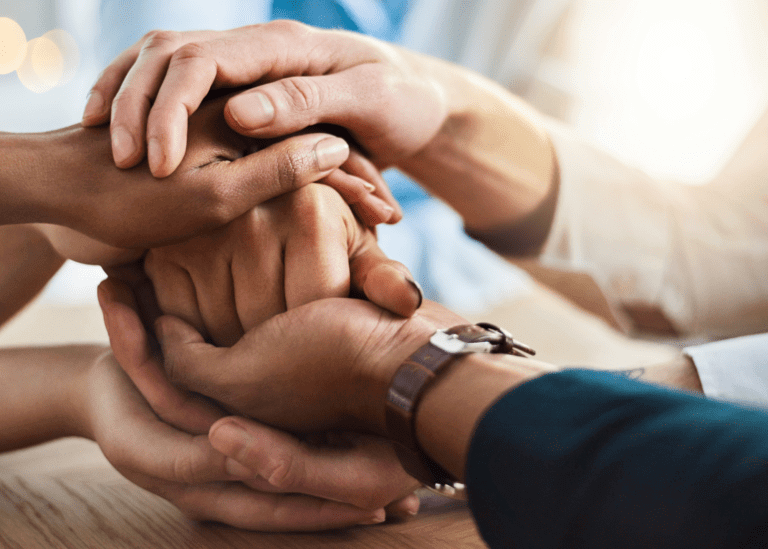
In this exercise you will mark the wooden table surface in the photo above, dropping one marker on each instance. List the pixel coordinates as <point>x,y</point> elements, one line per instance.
<point>65,495</point>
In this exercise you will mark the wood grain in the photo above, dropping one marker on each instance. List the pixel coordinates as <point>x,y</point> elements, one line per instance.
<point>65,495</point>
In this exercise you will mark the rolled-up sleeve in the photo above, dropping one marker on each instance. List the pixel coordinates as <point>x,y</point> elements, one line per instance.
<point>699,253</point>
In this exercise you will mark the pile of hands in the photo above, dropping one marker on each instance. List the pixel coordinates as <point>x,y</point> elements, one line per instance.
<point>234,387</point>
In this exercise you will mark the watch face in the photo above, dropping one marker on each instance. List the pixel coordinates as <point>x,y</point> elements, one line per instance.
<point>472,333</point>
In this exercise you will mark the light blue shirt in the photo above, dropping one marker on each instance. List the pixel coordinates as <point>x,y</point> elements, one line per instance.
<point>452,268</point>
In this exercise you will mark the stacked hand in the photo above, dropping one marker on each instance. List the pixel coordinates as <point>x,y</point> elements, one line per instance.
<point>289,483</point>
<point>384,96</point>
<point>291,250</point>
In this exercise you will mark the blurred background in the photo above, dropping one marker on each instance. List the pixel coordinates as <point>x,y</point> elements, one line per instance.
<point>671,86</point>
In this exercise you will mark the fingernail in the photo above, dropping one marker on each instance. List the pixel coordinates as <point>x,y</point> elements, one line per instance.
<point>94,105</point>
<point>102,298</point>
<point>100,295</point>
<point>418,289</point>
<point>228,437</point>
<point>412,504</point>
<point>331,152</point>
<point>252,110</point>
<point>379,516</point>
<point>388,212</point>
<point>123,146</point>
<point>155,155</point>
<point>370,187</point>
<point>237,469</point>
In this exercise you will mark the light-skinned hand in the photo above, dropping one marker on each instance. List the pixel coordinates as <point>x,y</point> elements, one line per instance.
<point>386,97</point>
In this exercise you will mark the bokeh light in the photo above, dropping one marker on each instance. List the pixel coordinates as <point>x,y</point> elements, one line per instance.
<point>70,53</point>
<point>51,60</point>
<point>43,65</point>
<point>13,45</point>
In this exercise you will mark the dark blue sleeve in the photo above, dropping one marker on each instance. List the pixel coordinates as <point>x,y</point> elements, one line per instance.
<point>583,459</point>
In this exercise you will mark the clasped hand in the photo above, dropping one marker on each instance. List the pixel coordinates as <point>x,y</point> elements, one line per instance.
<point>287,252</point>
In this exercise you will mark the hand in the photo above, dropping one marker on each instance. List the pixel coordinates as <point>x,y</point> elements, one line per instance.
<point>388,98</point>
<point>291,250</point>
<point>294,485</point>
<point>222,176</point>
<point>324,365</point>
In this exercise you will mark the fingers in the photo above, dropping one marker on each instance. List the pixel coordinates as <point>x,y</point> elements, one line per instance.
<point>364,472</point>
<point>189,360</point>
<point>151,447</point>
<point>133,101</point>
<point>386,282</point>
<point>258,274</point>
<point>317,250</point>
<point>242,507</point>
<point>98,106</point>
<point>358,193</point>
<point>404,507</point>
<point>190,74</point>
<point>283,167</point>
<point>297,102</point>
<point>175,290</point>
<point>131,348</point>
<point>128,87</point>
<point>359,166</point>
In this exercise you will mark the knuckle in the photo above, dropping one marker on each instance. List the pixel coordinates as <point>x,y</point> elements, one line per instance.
<point>219,202</point>
<point>191,52</point>
<point>288,170</point>
<point>285,26</point>
<point>161,39</point>
<point>284,471</point>
<point>309,210</point>
<point>184,469</point>
<point>126,100</point>
<point>302,94</point>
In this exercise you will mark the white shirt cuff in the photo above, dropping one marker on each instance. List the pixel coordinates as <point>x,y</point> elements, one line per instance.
<point>734,369</point>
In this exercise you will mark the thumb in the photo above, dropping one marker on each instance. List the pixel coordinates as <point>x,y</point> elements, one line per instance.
<point>189,360</point>
<point>386,282</point>
<point>284,167</point>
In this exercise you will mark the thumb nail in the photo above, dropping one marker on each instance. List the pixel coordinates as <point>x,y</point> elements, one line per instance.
<point>252,110</point>
<point>94,106</point>
<point>331,152</point>
<point>417,286</point>
<point>379,516</point>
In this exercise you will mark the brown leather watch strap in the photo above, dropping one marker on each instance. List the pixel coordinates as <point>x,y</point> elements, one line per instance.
<point>409,382</point>
<point>415,375</point>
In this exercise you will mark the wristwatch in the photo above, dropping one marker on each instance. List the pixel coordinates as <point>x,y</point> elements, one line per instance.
<point>414,376</point>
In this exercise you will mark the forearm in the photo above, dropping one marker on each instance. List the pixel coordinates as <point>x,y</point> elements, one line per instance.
<point>492,160</point>
<point>28,175</point>
<point>447,416</point>
<point>679,373</point>
<point>41,396</point>
<point>608,453</point>
<point>27,263</point>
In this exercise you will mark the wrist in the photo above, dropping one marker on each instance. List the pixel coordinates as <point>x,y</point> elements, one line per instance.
<point>84,390</point>
<point>400,342</point>
<point>34,176</point>
<point>22,178</point>
<point>456,401</point>
<point>492,159</point>
<point>679,373</point>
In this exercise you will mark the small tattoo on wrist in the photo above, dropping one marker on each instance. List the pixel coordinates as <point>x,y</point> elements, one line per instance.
<point>634,373</point>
